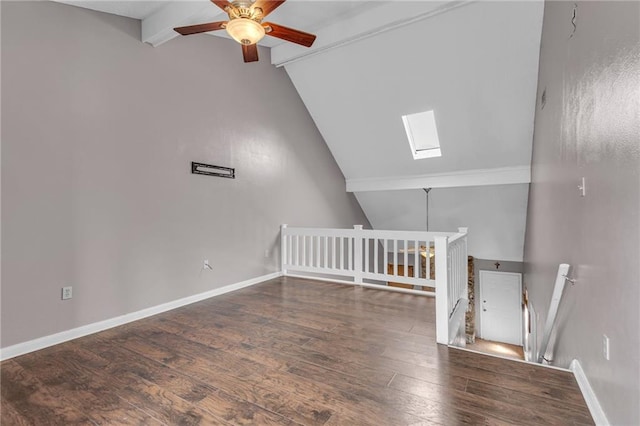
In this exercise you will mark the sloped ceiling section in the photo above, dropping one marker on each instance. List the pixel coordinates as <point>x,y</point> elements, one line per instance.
<point>476,67</point>
<point>494,214</point>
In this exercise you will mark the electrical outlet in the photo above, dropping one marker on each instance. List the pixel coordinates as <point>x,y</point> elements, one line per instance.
<point>605,347</point>
<point>67,293</point>
<point>266,253</point>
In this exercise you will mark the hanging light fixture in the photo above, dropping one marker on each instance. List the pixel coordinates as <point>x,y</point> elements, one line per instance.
<point>244,23</point>
<point>245,30</point>
<point>427,190</point>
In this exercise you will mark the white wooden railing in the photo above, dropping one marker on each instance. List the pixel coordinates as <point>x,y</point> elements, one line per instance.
<point>451,286</point>
<point>355,255</point>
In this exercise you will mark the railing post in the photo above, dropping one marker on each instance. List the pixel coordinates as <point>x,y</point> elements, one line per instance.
<point>442,284</point>
<point>283,249</point>
<point>357,255</point>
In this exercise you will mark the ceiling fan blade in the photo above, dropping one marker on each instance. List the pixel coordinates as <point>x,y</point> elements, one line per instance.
<point>222,4</point>
<point>267,6</point>
<point>201,28</point>
<point>289,34</point>
<point>250,52</point>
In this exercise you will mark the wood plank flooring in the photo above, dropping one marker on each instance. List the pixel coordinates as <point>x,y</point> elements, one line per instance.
<point>288,351</point>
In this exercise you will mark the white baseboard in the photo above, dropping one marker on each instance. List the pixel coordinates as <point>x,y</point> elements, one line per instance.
<point>589,396</point>
<point>63,336</point>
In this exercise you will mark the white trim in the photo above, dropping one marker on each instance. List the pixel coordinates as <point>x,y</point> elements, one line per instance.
<point>589,395</point>
<point>74,333</point>
<point>157,28</point>
<point>372,286</point>
<point>441,245</point>
<point>369,23</point>
<point>477,177</point>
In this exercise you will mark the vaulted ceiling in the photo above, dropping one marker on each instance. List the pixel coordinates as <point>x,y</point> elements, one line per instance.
<point>475,66</point>
<point>474,63</point>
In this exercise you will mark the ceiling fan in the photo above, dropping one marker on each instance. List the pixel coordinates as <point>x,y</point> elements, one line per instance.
<point>246,27</point>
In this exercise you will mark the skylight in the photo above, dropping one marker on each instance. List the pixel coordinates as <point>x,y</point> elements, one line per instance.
<point>422,134</point>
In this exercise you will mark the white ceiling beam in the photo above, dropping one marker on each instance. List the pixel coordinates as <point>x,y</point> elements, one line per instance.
<point>376,20</point>
<point>158,28</point>
<point>478,177</point>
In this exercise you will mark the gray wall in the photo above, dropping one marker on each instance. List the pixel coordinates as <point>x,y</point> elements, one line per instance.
<point>98,132</point>
<point>495,215</point>
<point>590,126</point>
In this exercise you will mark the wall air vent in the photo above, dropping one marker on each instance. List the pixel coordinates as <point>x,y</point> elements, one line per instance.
<point>211,170</point>
<point>422,134</point>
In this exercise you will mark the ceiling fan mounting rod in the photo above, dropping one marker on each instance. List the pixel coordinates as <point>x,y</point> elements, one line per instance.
<point>243,9</point>
<point>255,14</point>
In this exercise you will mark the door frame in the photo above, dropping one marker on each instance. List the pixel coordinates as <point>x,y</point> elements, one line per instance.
<point>520,317</point>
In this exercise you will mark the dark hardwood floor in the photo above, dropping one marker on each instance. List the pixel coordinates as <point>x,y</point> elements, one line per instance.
<point>288,351</point>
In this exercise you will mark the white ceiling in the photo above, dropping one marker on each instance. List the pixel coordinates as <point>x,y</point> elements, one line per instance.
<point>306,15</point>
<point>474,63</point>
<point>130,9</point>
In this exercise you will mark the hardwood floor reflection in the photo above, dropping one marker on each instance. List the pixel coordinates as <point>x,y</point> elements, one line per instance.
<point>496,348</point>
<point>287,351</point>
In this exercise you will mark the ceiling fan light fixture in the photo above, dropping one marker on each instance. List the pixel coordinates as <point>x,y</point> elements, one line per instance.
<point>245,25</point>
<point>245,31</point>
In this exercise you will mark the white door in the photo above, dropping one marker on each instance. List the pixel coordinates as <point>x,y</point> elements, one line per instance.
<point>501,307</point>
